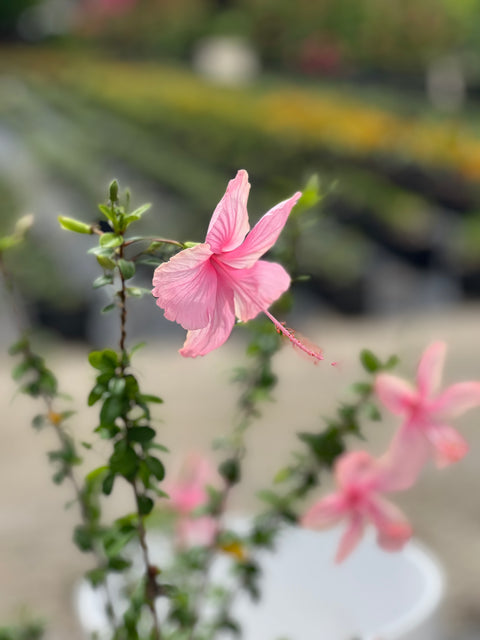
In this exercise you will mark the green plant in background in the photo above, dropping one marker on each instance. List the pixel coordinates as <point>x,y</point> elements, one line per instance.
<point>197,506</point>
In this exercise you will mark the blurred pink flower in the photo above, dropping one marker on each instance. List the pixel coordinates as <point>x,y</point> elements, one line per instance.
<point>426,416</point>
<point>189,493</point>
<point>361,480</point>
<point>204,287</point>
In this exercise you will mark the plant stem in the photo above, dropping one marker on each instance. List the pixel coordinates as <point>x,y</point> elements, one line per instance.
<point>150,570</point>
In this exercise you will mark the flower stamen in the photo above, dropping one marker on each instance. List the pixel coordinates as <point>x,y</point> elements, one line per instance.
<point>309,348</point>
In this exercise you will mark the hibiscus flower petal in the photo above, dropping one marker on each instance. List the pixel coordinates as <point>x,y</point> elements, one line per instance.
<point>449,445</point>
<point>229,223</point>
<point>185,287</point>
<point>350,538</point>
<point>396,394</point>
<point>263,235</point>
<point>201,341</point>
<point>393,528</point>
<point>355,467</point>
<point>400,466</point>
<point>255,289</point>
<point>456,399</point>
<point>430,368</point>
<point>325,513</point>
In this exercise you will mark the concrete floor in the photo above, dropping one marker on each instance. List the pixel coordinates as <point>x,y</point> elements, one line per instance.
<point>39,564</point>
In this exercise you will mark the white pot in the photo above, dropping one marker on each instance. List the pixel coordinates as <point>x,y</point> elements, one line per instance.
<point>373,595</point>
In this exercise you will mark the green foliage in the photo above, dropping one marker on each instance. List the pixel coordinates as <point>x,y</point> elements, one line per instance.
<point>28,630</point>
<point>70,224</point>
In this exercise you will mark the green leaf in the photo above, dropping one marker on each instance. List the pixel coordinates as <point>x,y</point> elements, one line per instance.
<point>108,308</point>
<point>127,268</point>
<point>70,224</point>
<point>82,538</point>
<point>370,361</point>
<point>18,347</point>
<point>392,362</point>
<point>141,434</point>
<point>116,386</point>
<point>106,262</point>
<point>119,564</point>
<point>146,398</point>
<point>326,446</point>
<point>362,388</point>
<point>39,421</point>
<point>108,212</point>
<point>101,281</point>
<point>310,195</point>
<point>95,394</point>
<point>107,484</point>
<point>156,467</point>
<point>138,213</point>
<point>96,576</point>
<point>282,475</point>
<point>113,408</point>
<point>230,471</point>
<point>111,240</point>
<point>124,461</point>
<point>105,360</point>
<point>137,292</point>
<point>137,347</point>
<point>145,505</point>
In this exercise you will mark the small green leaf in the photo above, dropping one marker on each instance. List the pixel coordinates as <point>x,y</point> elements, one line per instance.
<point>137,292</point>
<point>156,467</point>
<point>101,281</point>
<point>95,394</point>
<point>82,538</point>
<point>112,408</point>
<point>141,434</point>
<point>96,576</point>
<point>111,240</point>
<point>119,564</point>
<point>146,398</point>
<point>124,461</point>
<point>392,362</point>
<point>127,268</point>
<point>230,470</point>
<point>370,361</point>
<point>39,421</point>
<point>145,505</point>
<point>70,224</point>
<point>105,360</point>
<point>282,475</point>
<point>107,484</point>
<point>108,212</point>
<point>108,308</point>
<point>106,262</point>
<point>138,213</point>
<point>18,347</point>
<point>362,388</point>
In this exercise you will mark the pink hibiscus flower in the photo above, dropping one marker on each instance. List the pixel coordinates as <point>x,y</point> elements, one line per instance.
<point>205,287</point>
<point>189,493</point>
<point>425,429</point>
<point>361,480</point>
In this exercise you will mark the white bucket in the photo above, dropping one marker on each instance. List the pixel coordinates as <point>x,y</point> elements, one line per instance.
<point>373,595</point>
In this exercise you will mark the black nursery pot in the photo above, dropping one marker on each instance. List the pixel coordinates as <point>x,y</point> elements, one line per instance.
<point>70,323</point>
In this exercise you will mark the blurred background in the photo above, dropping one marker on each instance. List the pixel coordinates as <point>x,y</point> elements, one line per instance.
<point>379,99</point>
